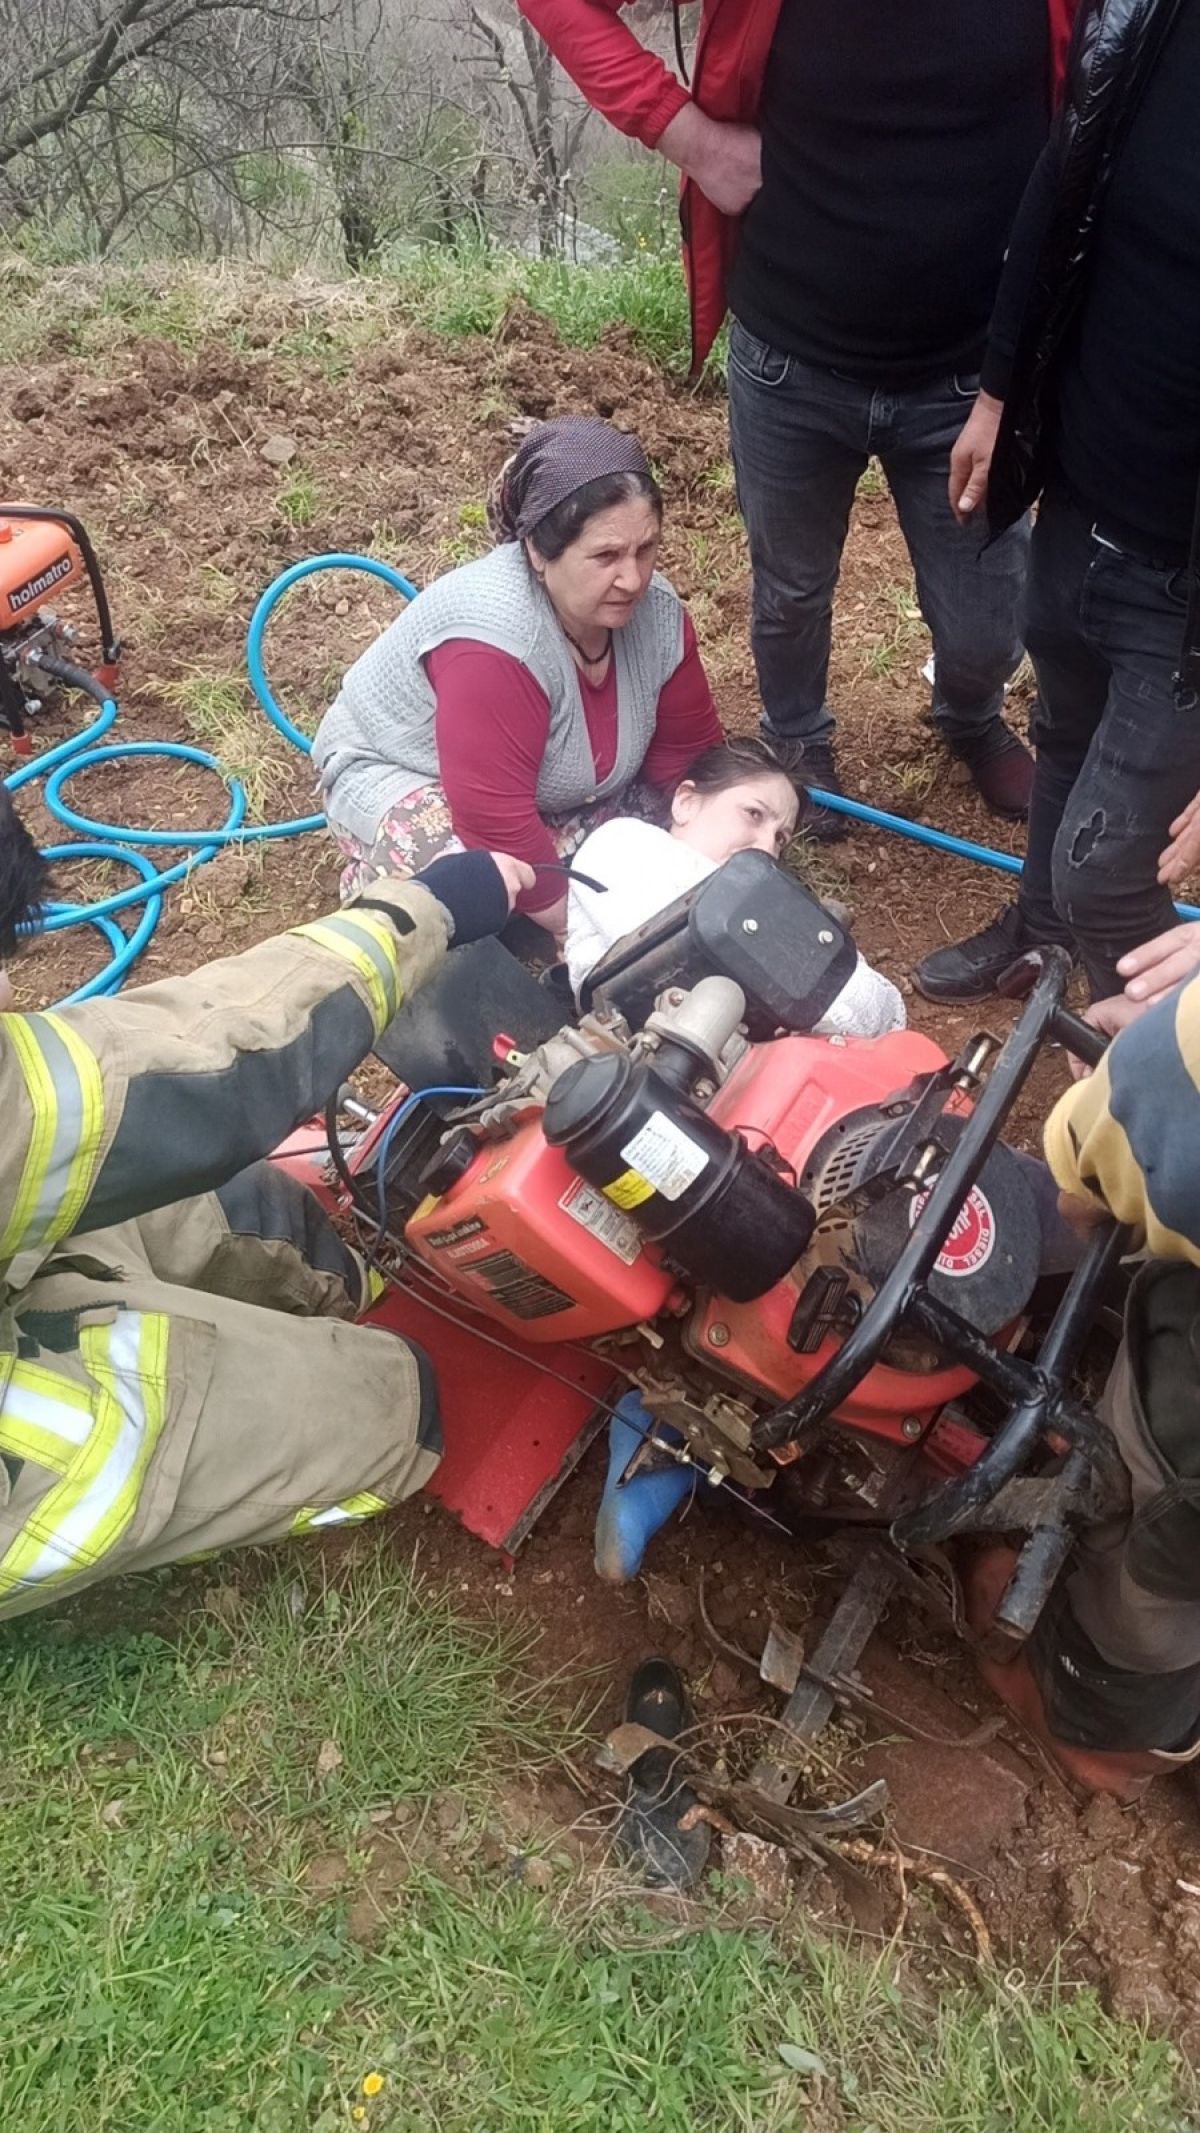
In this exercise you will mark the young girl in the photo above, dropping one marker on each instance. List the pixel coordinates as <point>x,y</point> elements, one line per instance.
<point>733,798</point>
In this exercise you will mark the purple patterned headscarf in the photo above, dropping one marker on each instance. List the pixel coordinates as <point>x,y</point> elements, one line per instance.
<point>555,459</point>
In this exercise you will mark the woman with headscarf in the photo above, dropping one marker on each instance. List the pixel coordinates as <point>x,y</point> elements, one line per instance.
<point>517,700</point>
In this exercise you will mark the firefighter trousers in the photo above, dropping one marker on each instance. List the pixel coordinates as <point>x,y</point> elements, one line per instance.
<point>191,1381</point>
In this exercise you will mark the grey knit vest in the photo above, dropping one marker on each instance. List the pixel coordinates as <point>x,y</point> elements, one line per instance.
<point>376,743</point>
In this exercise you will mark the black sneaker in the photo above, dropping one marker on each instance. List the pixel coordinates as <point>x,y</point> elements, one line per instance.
<point>970,969</point>
<point>812,763</point>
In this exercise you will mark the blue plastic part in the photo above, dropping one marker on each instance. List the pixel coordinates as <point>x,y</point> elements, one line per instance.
<point>632,1512</point>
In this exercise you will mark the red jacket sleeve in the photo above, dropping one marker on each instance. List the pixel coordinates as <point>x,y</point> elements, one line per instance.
<point>687,717</point>
<point>631,87</point>
<point>491,724</point>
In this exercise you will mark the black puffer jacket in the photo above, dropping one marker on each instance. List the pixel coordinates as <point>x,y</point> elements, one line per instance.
<point>1114,50</point>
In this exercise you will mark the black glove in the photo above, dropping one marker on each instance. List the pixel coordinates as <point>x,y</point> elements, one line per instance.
<point>470,886</point>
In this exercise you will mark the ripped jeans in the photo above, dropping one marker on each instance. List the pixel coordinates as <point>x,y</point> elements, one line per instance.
<point>1118,753</point>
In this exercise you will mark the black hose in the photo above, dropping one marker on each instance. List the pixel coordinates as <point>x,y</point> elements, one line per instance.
<point>79,534</point>
<point>75,677</point>
<point>346,1176</point>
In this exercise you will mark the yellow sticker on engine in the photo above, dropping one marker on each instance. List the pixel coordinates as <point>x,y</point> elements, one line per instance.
<point>629,1190</point>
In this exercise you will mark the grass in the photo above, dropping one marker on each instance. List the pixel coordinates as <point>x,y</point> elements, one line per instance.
<point>297,499</point>
<point>176,1762</point>
<point>221,714</point>
<point>90,310</point>
<point>904,632</point>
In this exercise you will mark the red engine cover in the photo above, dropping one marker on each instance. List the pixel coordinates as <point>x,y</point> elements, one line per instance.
<point>543,1252</point>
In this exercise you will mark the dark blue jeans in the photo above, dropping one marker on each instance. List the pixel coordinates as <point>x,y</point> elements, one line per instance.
<point>1118,749</point>
<point>801,440</point>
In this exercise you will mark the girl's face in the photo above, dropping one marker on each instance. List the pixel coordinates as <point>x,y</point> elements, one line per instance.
<point>756,815</point>
<point>598,581</point>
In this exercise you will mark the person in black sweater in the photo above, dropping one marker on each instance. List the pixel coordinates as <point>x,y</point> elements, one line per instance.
<point>852,170</point>
<point>895,146</point>
<point>1091,395</point>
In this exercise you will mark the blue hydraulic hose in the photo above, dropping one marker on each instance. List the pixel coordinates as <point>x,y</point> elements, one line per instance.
<point>937,840</point>
<point>66,751</point>
<point>266,606</point>
<point>115,841</point>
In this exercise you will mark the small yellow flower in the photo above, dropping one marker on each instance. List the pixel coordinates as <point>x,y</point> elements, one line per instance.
<point>359,2115</point>
<point>372,2084</point>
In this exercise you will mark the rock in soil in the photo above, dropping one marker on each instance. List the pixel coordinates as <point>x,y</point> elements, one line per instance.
<point>766,1870</point>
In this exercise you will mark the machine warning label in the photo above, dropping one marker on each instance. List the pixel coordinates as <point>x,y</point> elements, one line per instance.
<point>629,1190</point>
<point>443,1239</point>
<point>664,1154</point>
<point>33,588</point>
<point>970,1243</point>
<point>516,1288</point>
<point>606,1223</point>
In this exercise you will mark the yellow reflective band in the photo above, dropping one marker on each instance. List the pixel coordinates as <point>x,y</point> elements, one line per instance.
<point>82,1171</point>
<point>66,1094</point>
<point>369,943</point>
<point>83,1515</point>
<point>44,1417</point>
<point>40,1086</point>
<point>355,1508</point>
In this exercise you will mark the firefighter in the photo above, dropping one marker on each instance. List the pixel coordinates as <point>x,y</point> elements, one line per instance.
<point>179,1367</point>
<point>1111,1679</point>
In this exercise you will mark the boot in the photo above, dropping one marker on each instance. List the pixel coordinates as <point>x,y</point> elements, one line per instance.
<point>632,1511</point>
<point>1002,769</point>
<point>1123,1774</point>
<point>971,969</point>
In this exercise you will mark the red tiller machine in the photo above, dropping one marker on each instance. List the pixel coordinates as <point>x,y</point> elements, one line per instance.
<point>812,1261</point>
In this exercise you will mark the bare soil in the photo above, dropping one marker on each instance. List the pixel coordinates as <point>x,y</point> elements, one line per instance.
<point>160,450</point>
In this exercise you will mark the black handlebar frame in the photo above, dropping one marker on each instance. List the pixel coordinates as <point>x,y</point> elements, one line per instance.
<point>1037,1393</point>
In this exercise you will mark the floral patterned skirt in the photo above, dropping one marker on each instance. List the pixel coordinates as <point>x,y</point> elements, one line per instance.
<point>418,828</point>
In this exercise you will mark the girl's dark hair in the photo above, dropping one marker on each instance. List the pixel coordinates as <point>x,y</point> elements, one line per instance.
<point>731,762</point>
<point>562,526</point>
<point>24,876</point>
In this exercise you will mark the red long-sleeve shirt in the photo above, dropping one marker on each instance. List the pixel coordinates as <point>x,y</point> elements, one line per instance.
<point>492,721</point>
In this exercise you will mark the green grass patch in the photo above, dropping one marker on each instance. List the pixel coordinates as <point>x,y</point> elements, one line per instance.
<point>168,1780</point>
<point>452,290</point>
<point>296,502</point>
<point>224,718</point>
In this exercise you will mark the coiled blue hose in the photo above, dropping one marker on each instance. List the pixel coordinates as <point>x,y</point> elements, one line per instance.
<point>117,841</point>
<point>120,842</point>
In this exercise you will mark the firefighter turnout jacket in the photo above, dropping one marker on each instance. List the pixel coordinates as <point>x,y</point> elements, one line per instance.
<point>176,1370</point>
